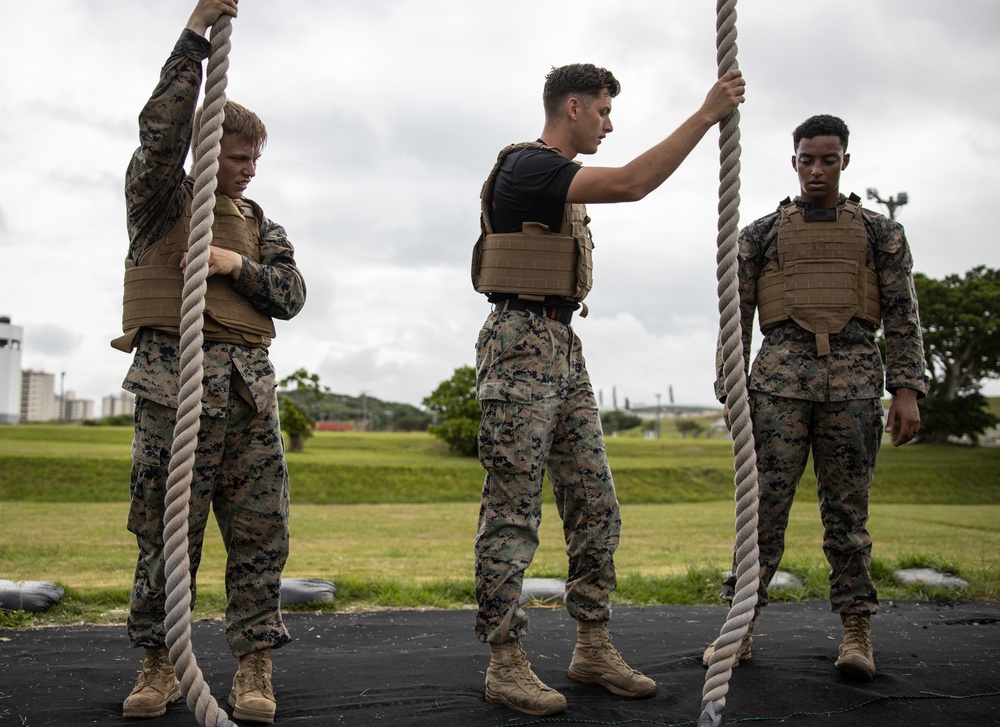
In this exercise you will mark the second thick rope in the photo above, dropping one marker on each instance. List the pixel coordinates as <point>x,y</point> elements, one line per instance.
<point>731,335</point>
<point>186,428</point>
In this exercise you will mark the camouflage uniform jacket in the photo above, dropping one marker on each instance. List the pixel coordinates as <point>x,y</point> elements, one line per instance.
<point>156,187</point>
<point>788,365</point>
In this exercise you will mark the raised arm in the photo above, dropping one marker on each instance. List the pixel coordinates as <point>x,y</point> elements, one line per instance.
<point>651,168</point>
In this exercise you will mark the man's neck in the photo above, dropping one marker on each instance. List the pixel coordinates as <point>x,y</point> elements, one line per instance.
<point>826,203</point>
<point>559,140</point>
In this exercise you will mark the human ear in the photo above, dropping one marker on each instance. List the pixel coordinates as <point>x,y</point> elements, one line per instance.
<point>573,107</point>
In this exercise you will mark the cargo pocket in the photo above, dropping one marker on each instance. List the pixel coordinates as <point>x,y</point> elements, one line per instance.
<point>150,457</point>
<point>505,438</point>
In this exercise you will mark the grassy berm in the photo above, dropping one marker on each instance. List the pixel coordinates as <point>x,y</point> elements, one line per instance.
<point>390,518</point>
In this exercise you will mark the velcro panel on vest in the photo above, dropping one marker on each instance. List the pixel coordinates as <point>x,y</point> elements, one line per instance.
<point>819,298</point>
<point>152,299</point>
<point>532,262</point>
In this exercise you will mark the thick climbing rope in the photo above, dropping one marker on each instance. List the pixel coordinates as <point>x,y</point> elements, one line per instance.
<point>731,334</point>
<point>175,531</point>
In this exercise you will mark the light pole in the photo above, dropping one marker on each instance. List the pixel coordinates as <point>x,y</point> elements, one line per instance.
<point>892,203</point>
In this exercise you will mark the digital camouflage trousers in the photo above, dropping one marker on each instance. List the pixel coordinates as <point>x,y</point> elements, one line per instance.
<point>239,474</point>
<point>539,418</point>
<point>844,437</point>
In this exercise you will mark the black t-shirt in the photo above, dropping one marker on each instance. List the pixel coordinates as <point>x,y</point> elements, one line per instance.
<point>531,186</point>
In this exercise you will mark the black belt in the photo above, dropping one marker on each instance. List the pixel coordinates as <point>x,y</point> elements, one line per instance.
<point>561,313</point>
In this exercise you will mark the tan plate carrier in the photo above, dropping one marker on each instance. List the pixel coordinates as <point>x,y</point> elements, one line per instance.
<point>820,280</point>
<point>534,262</point>
<point>154,286</point>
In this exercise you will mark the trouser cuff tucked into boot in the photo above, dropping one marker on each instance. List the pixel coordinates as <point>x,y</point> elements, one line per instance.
<point>596,661</point>
<point>856,656</point>
<point>510,681</point>
<point>155,688</point>
<point>252,697</point>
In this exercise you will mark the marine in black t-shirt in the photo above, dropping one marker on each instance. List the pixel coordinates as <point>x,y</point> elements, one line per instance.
<point>540,416</point>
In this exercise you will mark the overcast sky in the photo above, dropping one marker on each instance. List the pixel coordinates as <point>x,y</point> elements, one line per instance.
<point>385,116</point>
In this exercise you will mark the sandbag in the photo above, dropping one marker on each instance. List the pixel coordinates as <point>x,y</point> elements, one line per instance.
<point>306,590</point>
<point>30,596</point>
<point>542,591</point>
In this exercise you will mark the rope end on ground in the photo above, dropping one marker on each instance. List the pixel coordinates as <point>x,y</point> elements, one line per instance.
<point>711,714</point>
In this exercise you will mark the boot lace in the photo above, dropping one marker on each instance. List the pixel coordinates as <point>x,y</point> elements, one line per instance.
<point>258,671</point>
<point>520,666</point>
<point>860,635</point>
<point>606,648</point>
<point>151,667</point>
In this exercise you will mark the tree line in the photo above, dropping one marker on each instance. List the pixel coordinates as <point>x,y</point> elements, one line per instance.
<point>959,315</point>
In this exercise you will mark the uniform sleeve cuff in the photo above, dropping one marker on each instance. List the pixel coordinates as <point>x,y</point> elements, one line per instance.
<point>192,45</point>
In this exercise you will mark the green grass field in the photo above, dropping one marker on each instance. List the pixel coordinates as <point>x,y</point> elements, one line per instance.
<point>41,463</point>
<point>391,519</point>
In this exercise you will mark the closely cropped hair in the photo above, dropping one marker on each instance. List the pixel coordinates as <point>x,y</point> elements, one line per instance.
<point>239,122</point>
<point>576,79</point>
<point>821,125</point>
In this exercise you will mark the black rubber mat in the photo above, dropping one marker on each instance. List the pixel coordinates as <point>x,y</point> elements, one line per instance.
<point>937,665</point>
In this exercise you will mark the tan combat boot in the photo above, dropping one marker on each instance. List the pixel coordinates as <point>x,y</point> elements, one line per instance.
<point>252,697</point>
<point>510,681</point>
<point>742,653</point>
<point>155,688</point>
<point>596,661</point>
<point>856,657</point>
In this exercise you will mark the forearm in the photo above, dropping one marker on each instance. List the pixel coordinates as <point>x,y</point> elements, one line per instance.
<point>652,168</point>
<point>165,122</point>
<point>904,351</point>
<point>153,195</point>
<point>649,170</point>
<point>900,314</point>
<point>274,286</point>
<point>644,173</point>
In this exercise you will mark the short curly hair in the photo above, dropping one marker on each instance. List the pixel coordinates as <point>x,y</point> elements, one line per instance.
<point>821,125</point>
<point>582,79</point>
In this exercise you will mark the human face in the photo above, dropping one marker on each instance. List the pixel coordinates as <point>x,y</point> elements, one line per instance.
<point>819,162</point>
<point>593,117</point>
<point>237,166</point>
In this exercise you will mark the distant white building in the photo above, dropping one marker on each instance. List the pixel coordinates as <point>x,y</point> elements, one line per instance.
<point>76,410</point>
<point>10,371</point>
<point>115,404</point>
<point>38,399</point>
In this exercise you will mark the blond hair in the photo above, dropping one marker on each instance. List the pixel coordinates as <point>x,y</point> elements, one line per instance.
<point>240,122</point>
